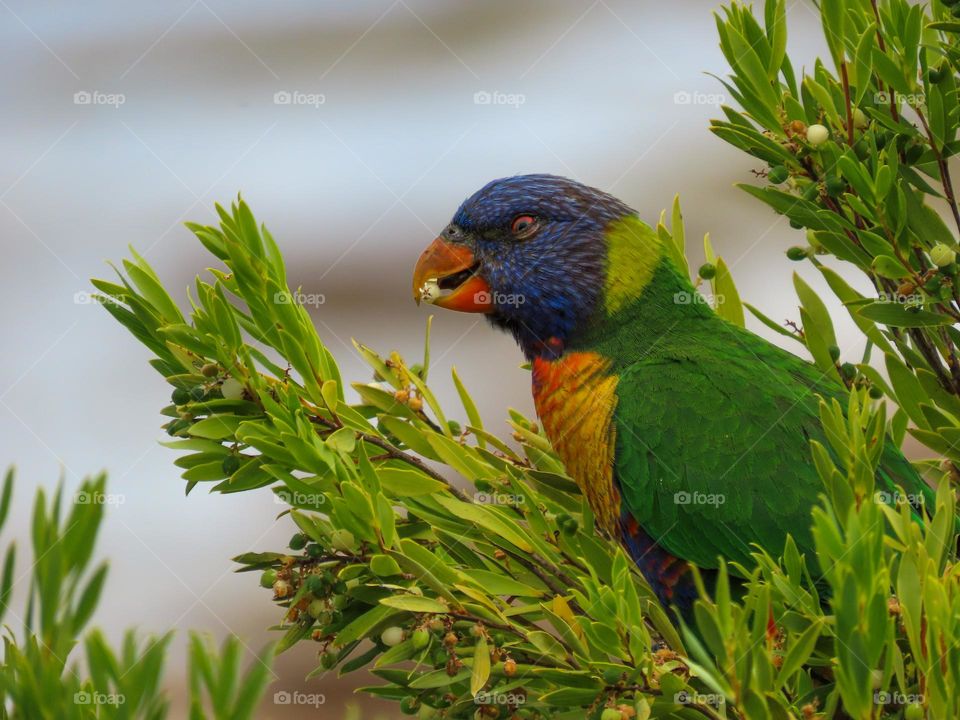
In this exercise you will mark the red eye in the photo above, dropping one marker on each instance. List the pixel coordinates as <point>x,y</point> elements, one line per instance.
<point>523,225</point>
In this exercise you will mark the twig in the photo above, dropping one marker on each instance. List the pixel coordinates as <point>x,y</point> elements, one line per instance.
<point>393,453</point>
<point>883,48</point>
<point>846,97</point>
<point>944,169</point>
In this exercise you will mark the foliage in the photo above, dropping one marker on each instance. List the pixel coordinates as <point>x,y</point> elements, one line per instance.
<point>493,594</point>
<point>860,157</point>
<point>37,680</point>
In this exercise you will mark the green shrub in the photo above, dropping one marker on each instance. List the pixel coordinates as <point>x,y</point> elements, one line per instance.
<point>492,595</point>
<point>41,678</point>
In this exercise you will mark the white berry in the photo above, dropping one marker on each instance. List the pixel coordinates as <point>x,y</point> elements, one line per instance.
<point>392,636</point>
<point>232,389</point>
<point>817,135</point>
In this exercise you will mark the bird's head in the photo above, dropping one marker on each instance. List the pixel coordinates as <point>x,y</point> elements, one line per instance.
<point>530,251</point>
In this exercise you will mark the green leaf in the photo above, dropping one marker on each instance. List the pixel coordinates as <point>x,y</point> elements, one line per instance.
<point>216,427</point>
<point>481,666</point>
<point>798,653</point>
<point>473,415</point>
<point>729,306</point>
<point>415,603</point>
<point>487,519</point>
<point>889,267</point>
<point>898,315</point>
<point>364,625</point>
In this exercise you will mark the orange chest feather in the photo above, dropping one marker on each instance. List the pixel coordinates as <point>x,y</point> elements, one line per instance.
<point>575,398</point>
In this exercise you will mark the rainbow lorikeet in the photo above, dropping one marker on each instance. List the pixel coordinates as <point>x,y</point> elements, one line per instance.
<point>688,435</point>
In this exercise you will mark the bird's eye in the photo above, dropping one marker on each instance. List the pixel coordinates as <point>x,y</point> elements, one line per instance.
<point>523,225</point>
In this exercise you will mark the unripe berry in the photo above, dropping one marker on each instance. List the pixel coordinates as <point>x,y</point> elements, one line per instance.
<point>707,271</point>
<point>315,585</point>
<point>409,705</point>
<point>913,711</point>
<point>942,255</point>
<point>420,638</point>
<point>778,174</point>
<point>834,185</point>
<point>316,608</point>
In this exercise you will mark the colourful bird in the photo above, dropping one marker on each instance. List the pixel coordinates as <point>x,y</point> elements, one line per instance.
<point>688,435</point>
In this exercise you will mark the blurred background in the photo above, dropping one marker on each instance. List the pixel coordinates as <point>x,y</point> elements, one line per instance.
<point>354,130</point>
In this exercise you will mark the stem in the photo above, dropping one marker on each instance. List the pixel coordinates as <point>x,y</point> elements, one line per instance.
<point>397,454</point>
<point>944,169</point>
<point>544,578</point>
<point>883,48</point>
<point>846,97</point>
<point>393,453</point>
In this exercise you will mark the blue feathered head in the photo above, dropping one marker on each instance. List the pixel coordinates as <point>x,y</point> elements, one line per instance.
<point>529,252</point>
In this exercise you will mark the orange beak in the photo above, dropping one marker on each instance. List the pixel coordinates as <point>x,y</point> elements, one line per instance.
<point>445,266</point>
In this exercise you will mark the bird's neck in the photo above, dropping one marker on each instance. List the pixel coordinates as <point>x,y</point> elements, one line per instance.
<point>667,306</point>
<point>645,297</point>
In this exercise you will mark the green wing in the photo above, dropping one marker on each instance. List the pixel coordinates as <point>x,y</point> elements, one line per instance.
<point>713,447</point>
